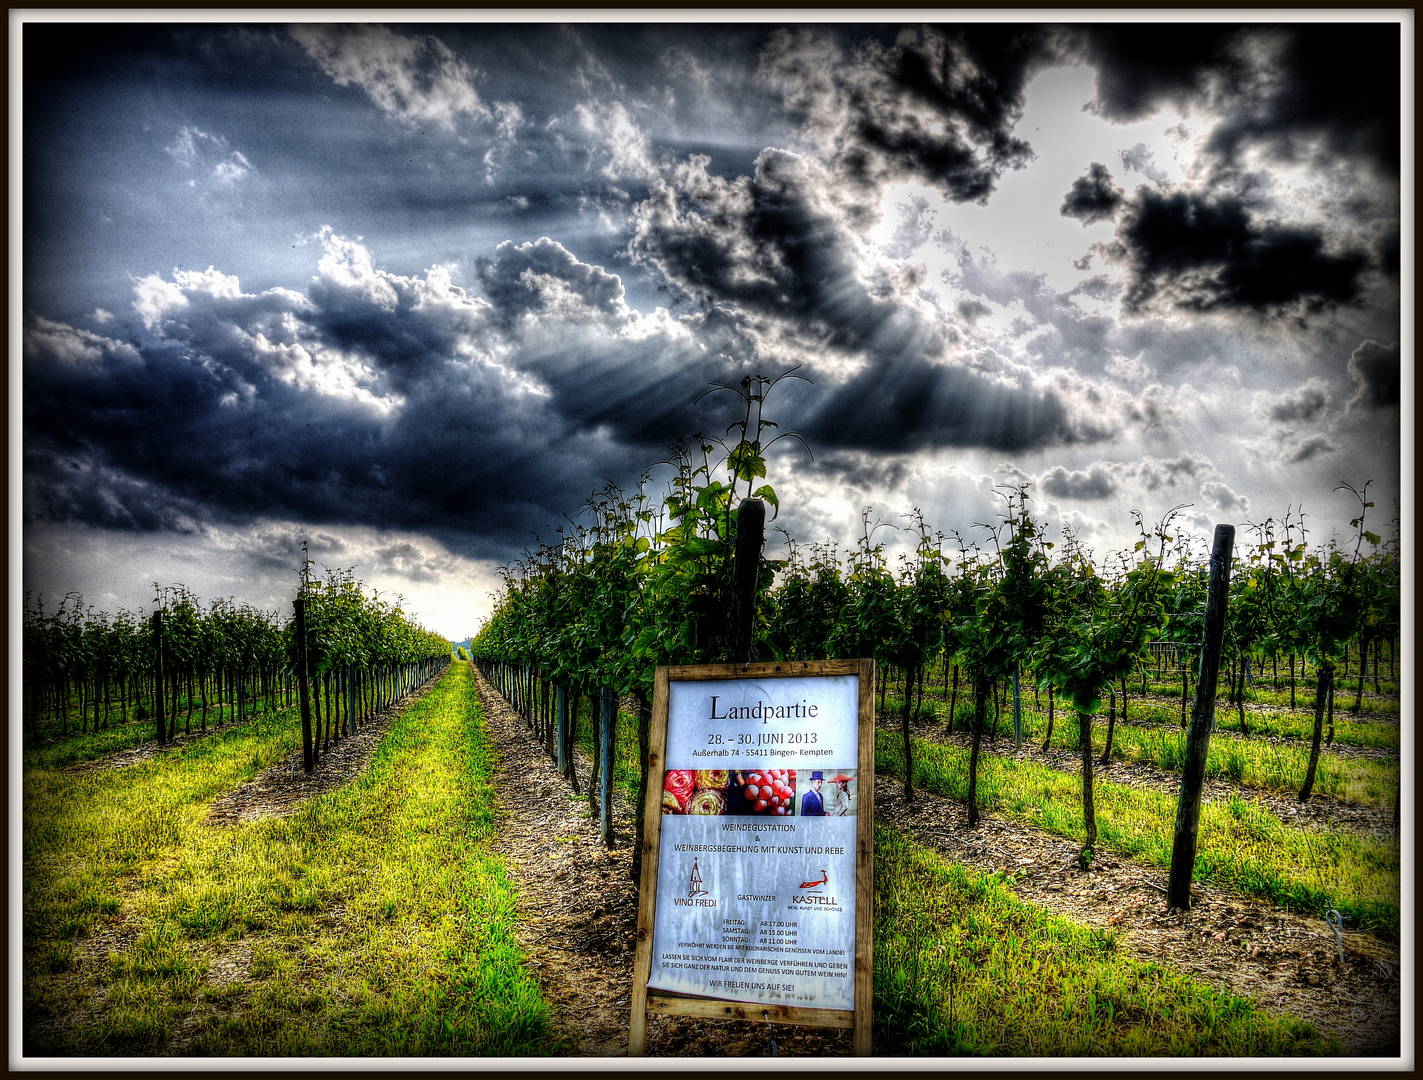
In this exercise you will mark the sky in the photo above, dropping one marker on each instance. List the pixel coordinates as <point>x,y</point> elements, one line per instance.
<point>411,293</point>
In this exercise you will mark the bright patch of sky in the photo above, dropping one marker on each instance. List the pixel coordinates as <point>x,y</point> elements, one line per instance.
<point>1021,227</point>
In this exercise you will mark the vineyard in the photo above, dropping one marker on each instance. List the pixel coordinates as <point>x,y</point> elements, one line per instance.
<point>104,676</point>
<point>458,874</point>
<point>1018,677</point>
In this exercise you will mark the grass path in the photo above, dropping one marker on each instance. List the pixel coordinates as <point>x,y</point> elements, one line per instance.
<point>963,966</point>
<point>373,921</point>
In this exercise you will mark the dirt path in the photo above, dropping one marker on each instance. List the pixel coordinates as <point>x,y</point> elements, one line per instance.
<point>581,940</point>
<point>282,788</point>
<point>146,751</point>
<point>578,911</point>
<point>1284,962</point>
<point>1321,812</point>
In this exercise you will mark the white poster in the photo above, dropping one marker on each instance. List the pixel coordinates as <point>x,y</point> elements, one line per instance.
<point>756,868</point>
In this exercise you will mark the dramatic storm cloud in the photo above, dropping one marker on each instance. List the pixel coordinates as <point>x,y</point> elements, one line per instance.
<point>413,292</point>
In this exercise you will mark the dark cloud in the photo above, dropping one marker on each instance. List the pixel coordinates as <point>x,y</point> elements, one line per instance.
<point>1375,371</point>
<point>914,404</point>
<point>864,471</point>
<point>1100,287</point>
<point>363,407</point>
<point>1182,469</point>
<point>1309,447</point>
<point>1316,90</point>
<point>640,241</point>
<point>938,104</point>
<point>535,277</point>
<point>1093,197</point>
<point>1142,68</point>
<point>1096,483</point>
<point>768,246</point>
<point>971,310</point>
<point>1200,252</point>
<point>1303,406</point>
<point>1330,92</point>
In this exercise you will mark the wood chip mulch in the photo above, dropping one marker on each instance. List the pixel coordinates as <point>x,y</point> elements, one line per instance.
<point>578,912</point>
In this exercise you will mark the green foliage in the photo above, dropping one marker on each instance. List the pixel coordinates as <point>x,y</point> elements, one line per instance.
<point>1096,631</point>
<point>638,581</point>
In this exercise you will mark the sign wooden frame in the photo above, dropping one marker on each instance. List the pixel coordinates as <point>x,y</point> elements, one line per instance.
<point>645,1001</point>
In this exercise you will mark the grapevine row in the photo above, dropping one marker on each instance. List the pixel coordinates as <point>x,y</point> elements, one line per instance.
<point>639,581</point>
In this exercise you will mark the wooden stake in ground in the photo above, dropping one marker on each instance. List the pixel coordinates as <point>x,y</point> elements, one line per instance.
<point>750,539</point>
<point>158,674</point>
<point>609,718</point>
<point>1198,739</point>
<point>306,756</point>
<point>1017,708</point>
<point>908,742</point>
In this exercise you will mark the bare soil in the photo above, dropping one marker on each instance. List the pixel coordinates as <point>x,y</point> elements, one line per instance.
<point>280,789</point>
<point>578,911</point>
<point>580,914</point>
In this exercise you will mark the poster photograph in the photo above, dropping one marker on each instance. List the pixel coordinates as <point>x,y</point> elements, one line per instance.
<point>756,878</point>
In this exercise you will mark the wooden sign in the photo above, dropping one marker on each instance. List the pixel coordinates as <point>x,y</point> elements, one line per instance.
<point>758,847</point>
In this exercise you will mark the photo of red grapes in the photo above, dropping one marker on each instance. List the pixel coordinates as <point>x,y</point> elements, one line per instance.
<point>762,791</point>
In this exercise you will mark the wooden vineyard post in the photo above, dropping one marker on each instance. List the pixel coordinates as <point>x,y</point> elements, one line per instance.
<point>608,721</point>
<point>162,732</point>
<point>647,887</point>
<point>750,539</point>
<point>1198,739</point>
<point>306,756</point>
<point>562,707</point>
<point>755,918</point>
<point>1017,707</point>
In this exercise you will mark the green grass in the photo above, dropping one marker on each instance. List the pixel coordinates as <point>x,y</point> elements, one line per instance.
<point>373,921</point>
<point>962,966</point>
<point>1253,760</point>
<point>1253,763</point>
<point>1291,724</point>
<point>55,752</point>
<point>1241,845</point>
<point>83,834</point>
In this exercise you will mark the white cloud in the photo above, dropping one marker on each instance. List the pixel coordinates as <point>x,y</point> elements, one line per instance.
<point>208,155</point>
<point>413,79</point>
<point>1221,498</point>
<point>629,153</point>
<point>72,346</point>
<point>347,264</point>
